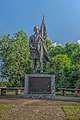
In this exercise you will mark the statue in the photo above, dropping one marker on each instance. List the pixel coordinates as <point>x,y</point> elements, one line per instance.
<point>37,44</point>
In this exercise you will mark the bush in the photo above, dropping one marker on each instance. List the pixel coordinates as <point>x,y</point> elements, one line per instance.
<point>3,84</point>
<point>77,85</point>
<point>10,84</point>
<point>63,84</point>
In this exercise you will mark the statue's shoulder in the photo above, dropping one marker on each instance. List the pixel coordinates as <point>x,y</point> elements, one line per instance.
<point>31,37</point>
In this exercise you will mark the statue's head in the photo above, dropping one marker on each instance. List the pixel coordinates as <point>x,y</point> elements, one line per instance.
<point>36,29</point>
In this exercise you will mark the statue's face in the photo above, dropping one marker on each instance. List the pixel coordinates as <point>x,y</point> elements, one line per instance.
<point>36,30</point>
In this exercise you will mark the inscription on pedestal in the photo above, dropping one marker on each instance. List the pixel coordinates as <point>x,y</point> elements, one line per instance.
<point>39,85</point>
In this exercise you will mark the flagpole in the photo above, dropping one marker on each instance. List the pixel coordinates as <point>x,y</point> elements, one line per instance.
<point>41,57</point>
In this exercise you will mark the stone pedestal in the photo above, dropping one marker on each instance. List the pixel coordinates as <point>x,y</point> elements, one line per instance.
<point>39,86</point>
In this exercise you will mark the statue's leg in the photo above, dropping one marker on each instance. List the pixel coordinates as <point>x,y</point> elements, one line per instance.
<point>41,66</point>
<point>34,66</point>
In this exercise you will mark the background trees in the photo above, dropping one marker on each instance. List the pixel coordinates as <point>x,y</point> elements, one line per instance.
<point>15,63</point>
<point>65,64</point>
<point>15,57</point>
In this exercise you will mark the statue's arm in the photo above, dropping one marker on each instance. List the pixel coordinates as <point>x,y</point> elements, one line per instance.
<point>42,39</point>
<point>31,43</point>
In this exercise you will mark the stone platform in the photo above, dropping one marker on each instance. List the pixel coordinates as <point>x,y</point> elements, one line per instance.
<point>39,86</point>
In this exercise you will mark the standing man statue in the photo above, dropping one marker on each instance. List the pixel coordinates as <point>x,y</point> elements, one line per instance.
<point>37,46</point>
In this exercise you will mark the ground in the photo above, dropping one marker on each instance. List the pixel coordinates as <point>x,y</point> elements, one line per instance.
<point>34,109</point>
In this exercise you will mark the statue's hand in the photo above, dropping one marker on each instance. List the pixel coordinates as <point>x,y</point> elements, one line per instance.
<point>33,48</point>
<point>43,40</point>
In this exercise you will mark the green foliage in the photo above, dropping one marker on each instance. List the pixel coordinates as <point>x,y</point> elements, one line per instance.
<point>68,76</point>
<point>2,84</point>
<point>75,57</point>
<point>73,51</point>
<point>69,48</point>
<point>12,83</point>
<point>48,44</point>
<point>63,83</point>
<point>59,63</point>
<point>77,84</point>
<point>15,83</point>
<point>5,108</point>
<point>14,54</point>
<point>55,50</point>
<point>72,112</point>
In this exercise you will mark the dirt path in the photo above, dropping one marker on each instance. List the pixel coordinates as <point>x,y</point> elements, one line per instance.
<point>32,111</point>
<point>36,109</point>
<point>37,113</point>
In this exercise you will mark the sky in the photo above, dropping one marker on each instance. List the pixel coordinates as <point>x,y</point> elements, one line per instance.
<point>62,18</point>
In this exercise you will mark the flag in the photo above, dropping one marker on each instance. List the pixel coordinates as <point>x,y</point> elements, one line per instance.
<point>43,30</point>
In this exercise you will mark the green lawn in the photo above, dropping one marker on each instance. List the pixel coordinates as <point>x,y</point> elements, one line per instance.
<point>67,93</point>
<point>5,108</point>
<point>72,112</point>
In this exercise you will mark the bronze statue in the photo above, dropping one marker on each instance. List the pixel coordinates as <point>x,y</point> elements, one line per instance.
<point>37,44</point>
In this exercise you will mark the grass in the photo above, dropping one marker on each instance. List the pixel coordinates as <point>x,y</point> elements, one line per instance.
<point>72,112</point>
<point>5,108</point>
<point>67,93</point>
<point>13,93</point>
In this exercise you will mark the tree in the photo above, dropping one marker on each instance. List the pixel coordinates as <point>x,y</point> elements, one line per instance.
<point>61,61</point>
<point>72,50</point>
<point>58,63</point>
<point>15,56</point>
<point>77,84</point>
<point>55,50</point>
<point>75,57</point>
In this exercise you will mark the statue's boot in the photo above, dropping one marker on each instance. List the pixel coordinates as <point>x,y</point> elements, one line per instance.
<point>34,72</point>
<point>41,71</point>
<point>41,68</point>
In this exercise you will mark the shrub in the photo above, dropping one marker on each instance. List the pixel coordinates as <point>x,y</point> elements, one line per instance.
<point>77,85</point>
